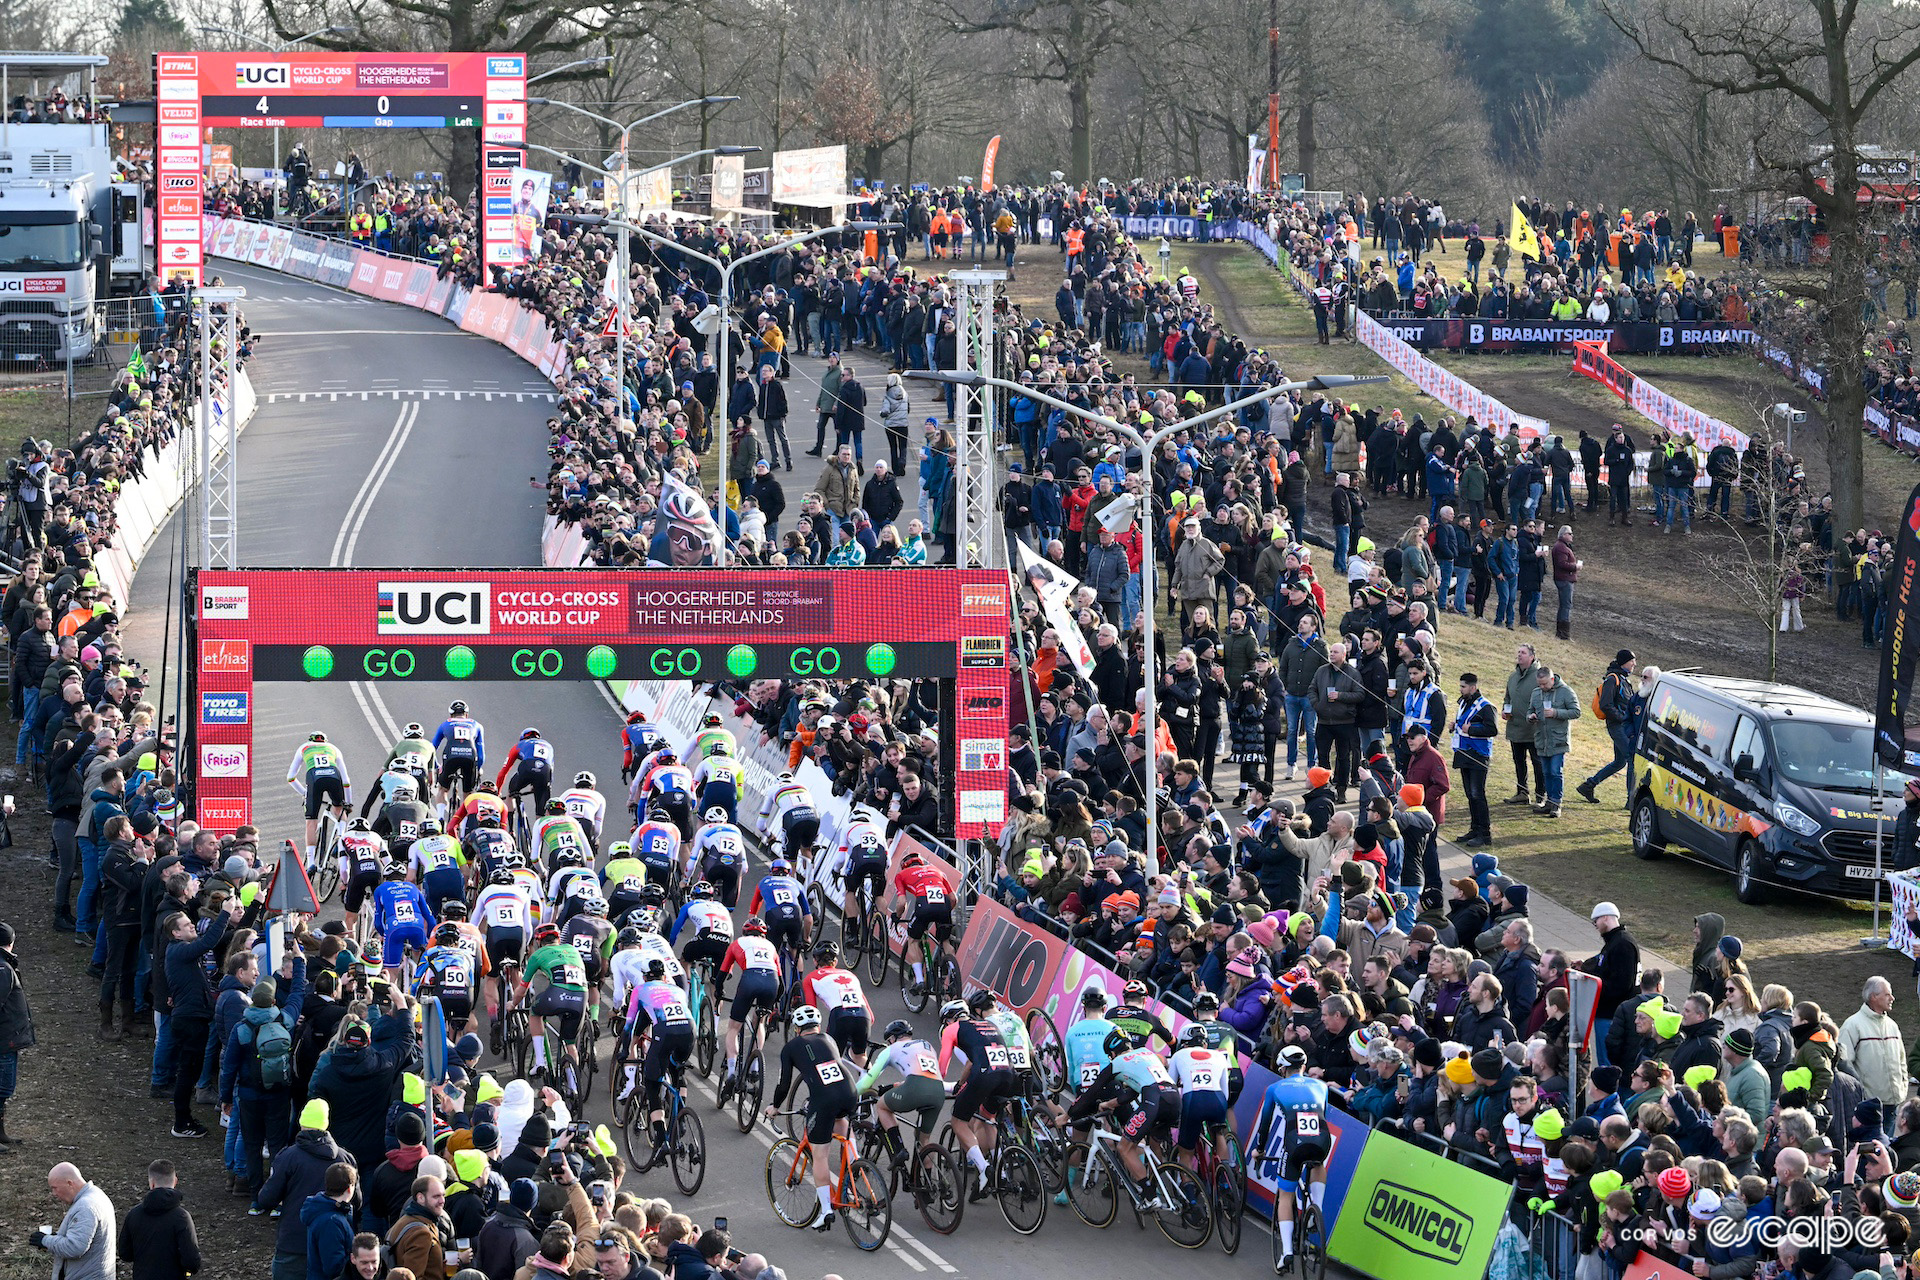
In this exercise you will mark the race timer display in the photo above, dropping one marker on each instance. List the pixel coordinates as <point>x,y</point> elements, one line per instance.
<point>353,91</point>
<point>879,660</point>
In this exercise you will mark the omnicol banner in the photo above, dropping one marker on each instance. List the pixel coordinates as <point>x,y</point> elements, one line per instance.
<point>1410,1214</point>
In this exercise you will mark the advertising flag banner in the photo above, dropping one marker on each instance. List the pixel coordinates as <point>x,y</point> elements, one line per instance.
<point>531,190</point>
<point>1898,744</point>
<point>1055,587</point>
<point>987,162</point>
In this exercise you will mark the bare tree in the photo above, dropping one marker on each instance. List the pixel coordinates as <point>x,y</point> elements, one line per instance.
<point>1812,72</point>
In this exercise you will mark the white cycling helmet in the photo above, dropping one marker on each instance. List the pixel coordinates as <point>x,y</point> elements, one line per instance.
<point>805,1017</point>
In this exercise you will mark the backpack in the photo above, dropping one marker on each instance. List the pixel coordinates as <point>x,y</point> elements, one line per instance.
<point>272,1052</point>
<point>1598,712</point>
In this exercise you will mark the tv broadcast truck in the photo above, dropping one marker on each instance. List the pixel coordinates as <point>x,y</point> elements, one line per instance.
<point>68,233</point>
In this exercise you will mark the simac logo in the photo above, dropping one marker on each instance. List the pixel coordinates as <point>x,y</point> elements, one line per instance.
<point>223,760</point>
<point>261,75</point>
<point>434,608</point>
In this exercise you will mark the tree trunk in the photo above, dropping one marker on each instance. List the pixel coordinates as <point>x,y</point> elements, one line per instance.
<point>462,161</point>
<point>1080,124</point>
<point>1847,302</point>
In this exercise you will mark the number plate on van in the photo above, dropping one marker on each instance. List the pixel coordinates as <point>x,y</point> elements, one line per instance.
<point>1860,873</point>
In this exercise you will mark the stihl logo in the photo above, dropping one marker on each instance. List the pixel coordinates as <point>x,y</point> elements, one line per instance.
<point>983,599</point>
<point>178,66</point>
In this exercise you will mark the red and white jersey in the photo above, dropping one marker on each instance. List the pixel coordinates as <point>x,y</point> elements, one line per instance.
<point>359,848</point>
<point>1201,1071</point>
<point>829,990</point>
<point>502,906</point>
<point>751,953</point>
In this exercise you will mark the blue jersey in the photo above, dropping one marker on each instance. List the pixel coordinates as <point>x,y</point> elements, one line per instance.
<point>399,905</point>
<point>656,843</point>
<point>1087,1050</point>
<point>642,739</point>
<point>1294,1113</point>
<point>460,738</point>
<point>782,898</point>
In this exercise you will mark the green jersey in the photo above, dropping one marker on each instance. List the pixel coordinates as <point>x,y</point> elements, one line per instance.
<point>561,963</point>
<point>704,740</point>
<point>560,833</point>
<point>411,749</point>
<point>623,874</point>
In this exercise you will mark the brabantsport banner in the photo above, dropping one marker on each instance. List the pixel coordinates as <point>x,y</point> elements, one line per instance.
<point>1897,743</point>
<point>1485,333</point>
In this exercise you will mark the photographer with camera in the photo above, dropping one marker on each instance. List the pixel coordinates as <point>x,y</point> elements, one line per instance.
<point>26,491</point>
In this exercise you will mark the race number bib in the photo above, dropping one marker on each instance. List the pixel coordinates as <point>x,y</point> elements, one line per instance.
<point>783,897</point>
<point>406,830</point>
<point>572,974</point>
<point>925,1064</point>
<point>675,1011</point>
<point>830,1073</point>
<point>403,913</point>
<point>850,998</point>
<point>1202,1078</point>
<point>1017,1058</point>
<point>1306,1123</point>
<point>1089,1072</point>
<point>632,884</point>
<point>996,1057</point>
<point>585,945</point>
<point>506,913</point>
<point>455,975</point>
<point>463,733</point>
<point>936,896</point>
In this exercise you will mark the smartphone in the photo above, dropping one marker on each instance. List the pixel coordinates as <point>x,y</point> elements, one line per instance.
<point>597,1194</point>
<point>381,989</point>
<point>719,1224</point>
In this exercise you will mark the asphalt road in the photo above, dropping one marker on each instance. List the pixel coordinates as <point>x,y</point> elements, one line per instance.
<point>386,438</point>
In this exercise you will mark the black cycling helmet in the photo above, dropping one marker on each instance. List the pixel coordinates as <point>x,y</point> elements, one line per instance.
<point>980,1002</point>
<point>487,785</point>
<point>555,808</point>
<point>701,889</point>
<point>447,935</point>
<point>826,949</point>
<point>1117,1043</point>
<point>652,894</point>
<point>656,970</point>
<point>453,909</point>
<point>710,721</point>
<point>456,708</point>
<point>501,876</point>
<point>898,1029</point>
<point>631,936</point>
<point>316,737</point>
<point>395,870</point>
<point>1206,1000</point>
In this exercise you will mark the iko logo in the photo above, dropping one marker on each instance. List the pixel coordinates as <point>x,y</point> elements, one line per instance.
<point>254,76</point>
<point>180,182</point>
<point>223,602</point>
<point>223,760</point>
<point>1419,1223</point>
<point>223,708</point>
<point>225,658</point>
<point>434,608</point>
<point>982,704</point>
<point>225,813</point>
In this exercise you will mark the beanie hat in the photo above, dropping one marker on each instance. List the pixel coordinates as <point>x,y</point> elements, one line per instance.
<point>486,1137</point>
<point>1740,1041</point>
<point>537,1133</point>
<point>263,993</point>
<point>468,1047</point>
<point>1606,1079</point>
<point>1427,1053</point>
<point>1706,1203</point>
<point>315,1114</point>
<point>470,1166</point>
<point>1674,1183</point>
<point>1796,1078</point>
<point>1366,837</point>
<point>1319,776</point>
<point>1902,1190</point>
<point>1666,1025</point>
<point>1549,1124</point>
<point>1486,1064</point>
<point>1242,965</point>
<point>1460,1071</point>
<point>413,1090</point>
<point>410,1129</point>
<point>1730,947</point>
<point>488,1090</point>
<point>1413,795</point>
<point>1697,1076</point>
<point>1605,1183</point>
<point>523,1194</point>
<point>1264,933</point>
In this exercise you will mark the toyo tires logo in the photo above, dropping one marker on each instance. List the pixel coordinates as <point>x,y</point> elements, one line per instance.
<point>1419,1223</point>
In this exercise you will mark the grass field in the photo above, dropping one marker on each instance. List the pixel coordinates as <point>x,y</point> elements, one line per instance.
<point>1585,855</point>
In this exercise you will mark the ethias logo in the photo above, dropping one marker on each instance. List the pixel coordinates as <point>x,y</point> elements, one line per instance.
<point>434,608</point>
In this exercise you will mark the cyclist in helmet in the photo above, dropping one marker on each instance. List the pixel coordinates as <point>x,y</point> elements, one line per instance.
<point>987,1077</point>
<point>586,806</point>
<point>713,734</point>
<point>530,764</point>
<point>660,1006</point>
<point>923,897</point>
<point>621,879</point>
<point>759,964</point>
<point>708,924</point>
<point>363,857</point>
<point>716,779</point>
<point>1149,1100</point>
<point>402,813</point>
<point>462,745</point>
<point>417,754</point>
<point>837,993</point>
<point>718,855</point>
<point>1291,1132</point>
<point>318,775</point>
<point>403,920</point>
<point>831,1097</point>
<point>589,932</point>
<point>920,1089</point>
<point>558,833</point>
<point>1133,1017</point>
<point>861,852</point>
<point>1221,1036</point>
<point>446,973</point>
<point>439,865</point>
<point>638,740</point>
<point>661,777</point>
<point>1201,1074</point>
<point>656,843</point>
<point>786,906</point>
<point>555,970</point>
<point>788,820</point>
<point>397,776</point>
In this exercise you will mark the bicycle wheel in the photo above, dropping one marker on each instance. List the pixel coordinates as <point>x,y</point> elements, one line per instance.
<point>589,1061</point>
<point>1021,1189</point>
<point>326,879</point>
<point>917,995</point>
<point>790,1183</point>
<point>1050,1150</point>
<point>1091,1189</point>
<point>1310,1241</point>
<point>520,1038</point>
<point>853,940</point>
<point>1273,1230</point>
<point>746,1099</point>
<point>623,1102</point>
<point>637,1137</point>
<point>865,1208</point>
<point>938,1188</point>
<point>1189,1221</point>
<point>1229,1202</point>
<point>1049,1052</point>
<point>871,1144</point>
<point>688,1155</point>
<point>707,1043</point>
<point>878,944</point>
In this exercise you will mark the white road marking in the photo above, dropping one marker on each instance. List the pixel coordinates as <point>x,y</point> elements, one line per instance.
<point>378,717</point>
<point>423,393</point>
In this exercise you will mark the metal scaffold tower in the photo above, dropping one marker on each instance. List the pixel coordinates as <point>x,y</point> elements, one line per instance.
<point>979,536</point>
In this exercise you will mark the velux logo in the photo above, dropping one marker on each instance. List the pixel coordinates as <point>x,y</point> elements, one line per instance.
<point>439,608</point>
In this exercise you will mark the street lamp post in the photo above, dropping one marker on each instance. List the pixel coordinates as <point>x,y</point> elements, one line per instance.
<point>724,322</point>
<point>1146,445</point>
<point>624,258</point>
<point>277,48</point>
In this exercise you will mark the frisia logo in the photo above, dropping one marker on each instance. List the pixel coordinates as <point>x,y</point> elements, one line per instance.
<point>434,608</point>
<point>223,760</point>
<point>1419,1223</point>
